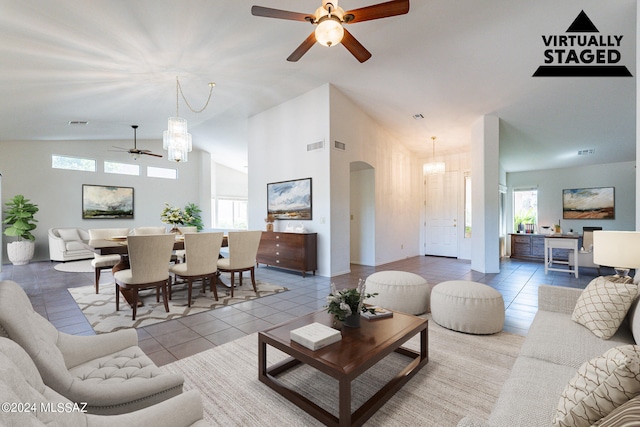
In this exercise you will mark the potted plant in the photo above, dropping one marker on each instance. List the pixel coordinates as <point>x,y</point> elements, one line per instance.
<point>347,304</point>
<point>19,216</point>
<point>192,216</point>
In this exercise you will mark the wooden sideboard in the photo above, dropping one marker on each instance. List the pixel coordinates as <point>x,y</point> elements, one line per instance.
<point>293,251</point>
<point>531,247</point>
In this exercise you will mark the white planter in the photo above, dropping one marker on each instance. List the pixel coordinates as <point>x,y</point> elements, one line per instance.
<point>20,253</point>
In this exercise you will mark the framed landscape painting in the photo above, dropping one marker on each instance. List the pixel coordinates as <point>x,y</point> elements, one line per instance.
<point>588,203</point>
<point>107,202</point>
<point>289,199</point>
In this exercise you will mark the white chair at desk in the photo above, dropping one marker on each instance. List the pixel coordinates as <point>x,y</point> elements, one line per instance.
<point>559,241</point>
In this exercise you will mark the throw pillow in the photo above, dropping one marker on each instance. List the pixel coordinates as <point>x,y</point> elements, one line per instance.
<point>603,305</point>
<point>600,386</point>
<point>69,234</point>
<point>625,415</point>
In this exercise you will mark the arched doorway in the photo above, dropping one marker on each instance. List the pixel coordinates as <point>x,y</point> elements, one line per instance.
<point>362,214</point>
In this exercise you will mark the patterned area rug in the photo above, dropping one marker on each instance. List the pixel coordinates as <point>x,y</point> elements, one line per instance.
<point>101,312</point>
<point>463,378</point>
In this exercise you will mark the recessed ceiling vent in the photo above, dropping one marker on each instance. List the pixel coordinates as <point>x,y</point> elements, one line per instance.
<point>77,122</point>
<point>418,116</point>
<point>586,152</point>
<point>315,146</point>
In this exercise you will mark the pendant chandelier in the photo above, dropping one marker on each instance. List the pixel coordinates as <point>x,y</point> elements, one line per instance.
<point>176,139</point>
<point>433,168</point>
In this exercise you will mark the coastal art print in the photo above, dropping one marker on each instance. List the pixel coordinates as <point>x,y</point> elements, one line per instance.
<point>289,199</point>
<point>588,203</point>
<point>107,202</point>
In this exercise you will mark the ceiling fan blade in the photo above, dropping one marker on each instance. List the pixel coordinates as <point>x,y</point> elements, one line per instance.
<point>267,12</point>
<point>354,46</point>
<point>377,11</point>
<point>303,48</point>
<point>151,154</point>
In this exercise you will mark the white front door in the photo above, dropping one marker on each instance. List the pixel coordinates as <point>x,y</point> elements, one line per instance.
<point>441,222</point>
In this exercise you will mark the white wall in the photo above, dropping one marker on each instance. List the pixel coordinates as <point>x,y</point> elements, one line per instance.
<point>277,152</point>
<point>26,169</point>
<point>277,148</point>
<point>551,182</point>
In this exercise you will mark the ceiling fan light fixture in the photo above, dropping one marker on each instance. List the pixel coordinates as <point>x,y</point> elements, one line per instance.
<point>329,31</point>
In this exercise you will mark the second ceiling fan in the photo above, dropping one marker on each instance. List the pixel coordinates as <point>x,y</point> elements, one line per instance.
<point>329,19</point>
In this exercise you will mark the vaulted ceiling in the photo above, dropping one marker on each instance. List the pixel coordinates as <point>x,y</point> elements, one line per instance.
<point>114,63</point>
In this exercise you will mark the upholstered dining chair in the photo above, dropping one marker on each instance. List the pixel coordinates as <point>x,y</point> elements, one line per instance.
<point>243,248</point>
<point>149,258</point>
<point>104,262</point>
<point>143,231</point>
<point>181,253</point>
<point>202,251</point>
<point>585,253</point>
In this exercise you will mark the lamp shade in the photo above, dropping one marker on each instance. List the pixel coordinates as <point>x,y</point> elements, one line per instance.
<point>618,249</point>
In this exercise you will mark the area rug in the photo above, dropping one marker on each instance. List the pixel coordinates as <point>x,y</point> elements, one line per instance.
<point>463,378</point>
<point>100,309</point>
<point>82,266</point>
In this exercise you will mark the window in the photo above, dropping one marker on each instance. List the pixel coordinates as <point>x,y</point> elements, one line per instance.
<point>525,209</point>
<point>230,213</point>
<point>121,168</point>
<point>73,163</point>
<point>166,173</point>
<point>467,207</point>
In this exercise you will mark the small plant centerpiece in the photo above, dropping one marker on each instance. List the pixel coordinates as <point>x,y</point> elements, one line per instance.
<point>192,216</point>
<point>172,215</point>
<point>347,304</point>
<point>270,219</point>
<point>20,221</point>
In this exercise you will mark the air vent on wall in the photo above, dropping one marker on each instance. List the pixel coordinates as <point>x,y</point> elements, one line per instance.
<point>315,146</point>
<point>339,145</point>
<point>586,152</point>
<point>77,122</point>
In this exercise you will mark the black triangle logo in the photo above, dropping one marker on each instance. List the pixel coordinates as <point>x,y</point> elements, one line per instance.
<point>582,24</point>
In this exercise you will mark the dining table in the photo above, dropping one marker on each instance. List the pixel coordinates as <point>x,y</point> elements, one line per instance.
<point>118,245</point>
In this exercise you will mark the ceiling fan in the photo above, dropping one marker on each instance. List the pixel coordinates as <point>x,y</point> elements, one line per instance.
<point>329,19</point>
<point>135,152</point>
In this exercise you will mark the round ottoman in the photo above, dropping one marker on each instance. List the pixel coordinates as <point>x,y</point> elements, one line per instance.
<point>399,291</point>
<point>468,307</point>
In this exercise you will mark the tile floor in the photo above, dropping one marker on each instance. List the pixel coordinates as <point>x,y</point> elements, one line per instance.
<point>175,339</point>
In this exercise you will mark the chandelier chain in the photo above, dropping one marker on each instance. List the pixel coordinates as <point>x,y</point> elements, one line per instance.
<point>179,91</point>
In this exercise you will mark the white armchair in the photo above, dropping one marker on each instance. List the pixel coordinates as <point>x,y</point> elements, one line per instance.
<point>65,244</point>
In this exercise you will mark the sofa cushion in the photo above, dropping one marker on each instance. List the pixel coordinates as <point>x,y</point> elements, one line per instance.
<point>554,337</point>
<point>69,234</point>
<point>529,397</point>
<point>633,317</point>
<point>600,385</point>
<point>625,415</point>
<point>603,305</point>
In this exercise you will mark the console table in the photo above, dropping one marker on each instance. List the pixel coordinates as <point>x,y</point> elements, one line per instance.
<point>293,251</point>
<point>560,241</point>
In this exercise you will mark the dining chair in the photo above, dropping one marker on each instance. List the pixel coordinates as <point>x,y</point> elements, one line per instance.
<point>142,231</point>
<point>243,248</point>
<point>149,268</point>
<point>202,251</point>
<point>104,262</point>
<point>181,253</point>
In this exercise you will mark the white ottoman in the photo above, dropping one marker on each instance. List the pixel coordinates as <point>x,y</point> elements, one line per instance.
<point>468,307</point>
<point>399,291</point>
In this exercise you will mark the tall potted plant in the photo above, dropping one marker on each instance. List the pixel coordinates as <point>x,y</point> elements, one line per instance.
<point>19,217</point>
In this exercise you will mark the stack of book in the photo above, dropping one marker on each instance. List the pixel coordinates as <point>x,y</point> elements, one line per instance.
<point>315,336</point>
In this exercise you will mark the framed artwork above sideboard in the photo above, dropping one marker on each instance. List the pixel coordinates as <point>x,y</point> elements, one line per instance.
<point>588,203</point>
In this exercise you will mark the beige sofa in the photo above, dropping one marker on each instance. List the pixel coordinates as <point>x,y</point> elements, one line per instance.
<point>109,371</point>
<point>27,401</point>
<point>553,350</point>
<point>65,244</point>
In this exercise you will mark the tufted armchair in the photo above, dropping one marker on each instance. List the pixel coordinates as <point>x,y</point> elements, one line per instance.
<point>21,383</point>
<point>109,371</point>
<point>65,244</point>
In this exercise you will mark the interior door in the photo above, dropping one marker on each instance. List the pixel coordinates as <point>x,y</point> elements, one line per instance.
<point>441,221</point>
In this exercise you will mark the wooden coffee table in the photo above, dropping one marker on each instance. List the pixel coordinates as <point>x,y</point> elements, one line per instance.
<point>345,360</point>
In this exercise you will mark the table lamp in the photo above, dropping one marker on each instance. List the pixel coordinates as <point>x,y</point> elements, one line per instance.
<point>617,249</point>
